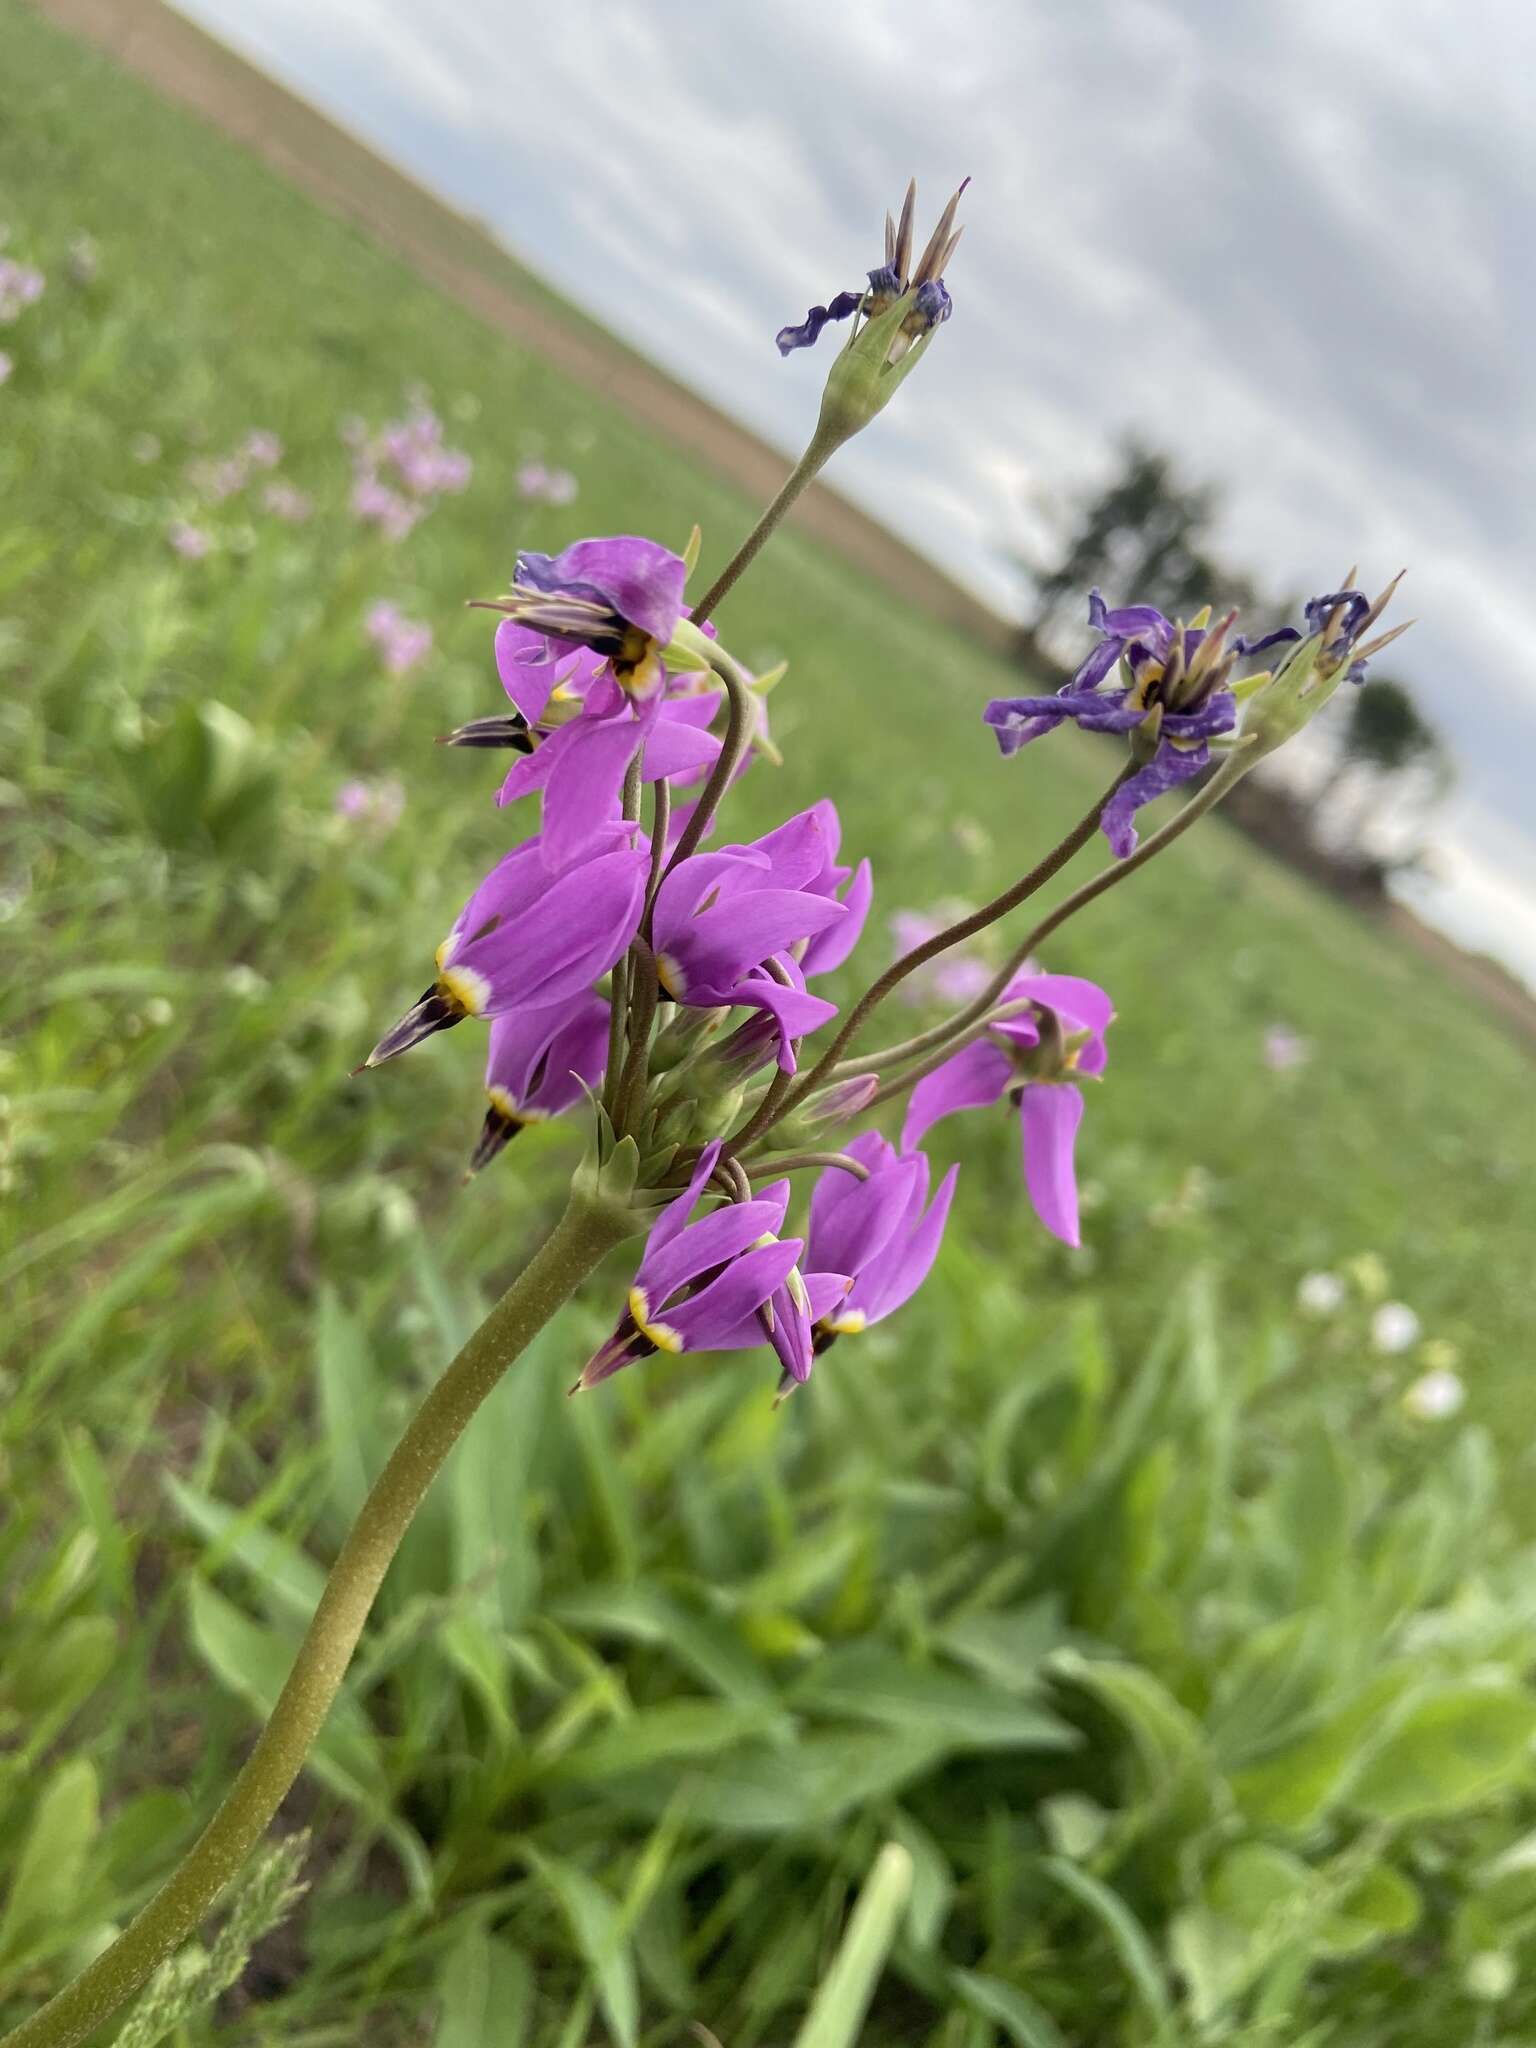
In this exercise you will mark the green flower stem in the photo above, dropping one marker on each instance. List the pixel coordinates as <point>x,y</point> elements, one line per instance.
<point>738,737</point>
<point>587,1231</point>
<point>770,1111</point>
<point>815,459</point>
<point>966,1025</point>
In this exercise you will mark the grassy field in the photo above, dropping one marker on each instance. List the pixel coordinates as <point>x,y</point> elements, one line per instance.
<point>1183,1665</point>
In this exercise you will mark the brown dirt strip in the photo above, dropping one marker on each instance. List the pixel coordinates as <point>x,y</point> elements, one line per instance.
<point>187,65</point>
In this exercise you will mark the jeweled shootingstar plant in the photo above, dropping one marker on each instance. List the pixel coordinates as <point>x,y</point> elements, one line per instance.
<point>651,986</point>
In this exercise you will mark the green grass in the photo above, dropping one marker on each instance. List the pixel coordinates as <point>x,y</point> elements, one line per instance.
<point>1051,1581</point>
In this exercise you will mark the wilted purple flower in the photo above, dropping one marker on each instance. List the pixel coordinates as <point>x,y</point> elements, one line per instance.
<point>541,1062</point>
<point>951,977</point>
<point>402,643</point>
<point>262,448</point>
<point>191,542</point>
<point>20,286</point>
<point>929,303</point>
<point>1173,683</point>
<point>700,1279</point>
<point>725,924</point>
<point>529,939</point>
<point>1339,618</point>
<point>286,501</point>
<point>882,1232</point>
<point>1034,1059</point>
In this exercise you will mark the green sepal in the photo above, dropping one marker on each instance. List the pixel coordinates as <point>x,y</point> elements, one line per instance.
<point>862,382</point>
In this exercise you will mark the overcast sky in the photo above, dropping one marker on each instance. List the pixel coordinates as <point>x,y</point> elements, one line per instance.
<point>1290,240</point>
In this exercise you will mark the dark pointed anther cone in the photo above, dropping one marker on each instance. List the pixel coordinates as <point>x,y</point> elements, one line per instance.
<point>436,1010</point>
<point>496,1133</point>
<point>509,731</point>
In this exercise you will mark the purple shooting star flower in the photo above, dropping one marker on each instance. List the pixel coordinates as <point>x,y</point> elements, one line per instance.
<point>700,1278</point>
<point>541,1063</point>
<point>725,925</point>
<point>1034,1058</point>
<point>529,939</point>
<point>621,598</point>
<point>883,1232</point>
<point>581,766</point>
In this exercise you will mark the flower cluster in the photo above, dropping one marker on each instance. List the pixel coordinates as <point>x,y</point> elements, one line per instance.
<point>1170,689</point>
<point>399,471</point>
<point>608,948</point>
<point>402,643</point>
<point>219,478</point>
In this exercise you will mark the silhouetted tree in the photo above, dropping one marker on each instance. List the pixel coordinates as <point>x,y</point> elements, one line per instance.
<point>1144,539</point>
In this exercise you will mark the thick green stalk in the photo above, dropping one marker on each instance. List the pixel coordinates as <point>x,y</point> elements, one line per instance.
<point>584,1235</point>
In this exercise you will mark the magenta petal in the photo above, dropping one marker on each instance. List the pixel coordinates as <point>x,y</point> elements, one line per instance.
<point>719,944</point>
<point>675,1216</point>
<point>853,1220</point>
<point>527,668</point>
<point>711,1314</point>
<point>582,790</point>
<point>1050,1114</point>
<point>895,1276</point>
<point>722,1235</point>
<point>572,932</point>
<point>642,580</point>
<point>792,1009</point>
<point>1083,1004</point>
<point>677,749</point>
<point>831,948</point>
<point>971,1080</point>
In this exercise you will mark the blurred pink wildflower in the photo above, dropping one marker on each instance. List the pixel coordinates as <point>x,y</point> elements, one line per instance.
<point>402,643</point>
<point>191,542</point>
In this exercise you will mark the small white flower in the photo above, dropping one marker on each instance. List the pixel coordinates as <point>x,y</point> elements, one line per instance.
<point>1320,1294</point>
<point>1435,1396</point>
<point>1394,1327</point>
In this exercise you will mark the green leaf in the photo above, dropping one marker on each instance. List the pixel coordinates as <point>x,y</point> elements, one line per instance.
<point>796,1790</point>
<point>1008,1645</point>
<point>1126,1934</point>
<point>646,1614</point>
<point>61,1671</point>
<point>836,2017</point>
<point>1449,1751</point>
<point>598,1933</point>
<point>1294,1785</point>
<point>1381,1903</point>
<point>280,1568</point>
<point>50,1870</point>
<point>485,1993</point>
<point>676,1731</point>
<point>1021,2019</point>
<point>866,1682</point>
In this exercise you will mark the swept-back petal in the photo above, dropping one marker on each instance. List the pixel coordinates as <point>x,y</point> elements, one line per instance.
<point>973,1078</point>
<point>1049,1115</point>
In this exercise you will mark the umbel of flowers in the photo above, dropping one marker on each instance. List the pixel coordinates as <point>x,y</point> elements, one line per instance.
<point>636,967</point>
